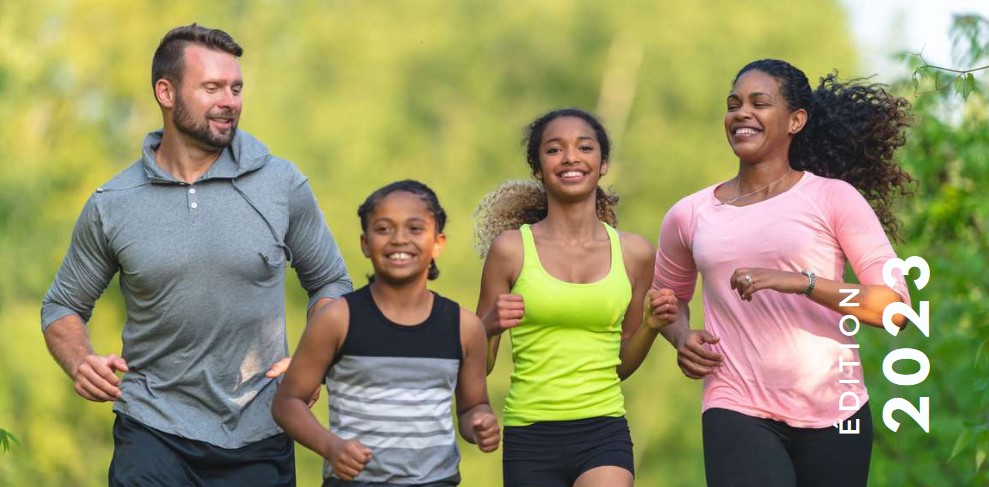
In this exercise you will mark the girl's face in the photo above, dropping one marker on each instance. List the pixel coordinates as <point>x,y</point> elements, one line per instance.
<point>401,238</point>
<point>570,158</point>
<point>758,122</point>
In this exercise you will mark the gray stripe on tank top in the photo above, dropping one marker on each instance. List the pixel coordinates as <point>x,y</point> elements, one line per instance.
<point>424,373</point>
<point>397,402</point>
<point>381,417</point>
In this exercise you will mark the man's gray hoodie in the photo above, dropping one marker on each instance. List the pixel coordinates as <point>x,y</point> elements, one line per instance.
<point>202,272</point>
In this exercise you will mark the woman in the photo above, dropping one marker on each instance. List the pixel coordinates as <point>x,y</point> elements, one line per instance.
<point>570,288</point>
<point>780,366</point>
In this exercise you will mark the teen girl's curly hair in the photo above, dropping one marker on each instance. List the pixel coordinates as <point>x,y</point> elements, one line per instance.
<point>852,133</point>
<point>516,202</point>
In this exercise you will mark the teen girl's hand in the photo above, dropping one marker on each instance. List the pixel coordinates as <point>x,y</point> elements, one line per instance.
<point>748,280</point>
<point>506,313</point>
<point>486,432</point>
<point>348,458</point>
<point>661,308</point>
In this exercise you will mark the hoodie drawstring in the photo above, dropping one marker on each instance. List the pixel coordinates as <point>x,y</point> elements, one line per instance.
<point>278,240</point>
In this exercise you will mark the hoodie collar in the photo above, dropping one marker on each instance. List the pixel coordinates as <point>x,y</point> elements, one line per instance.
<point>245,154</point>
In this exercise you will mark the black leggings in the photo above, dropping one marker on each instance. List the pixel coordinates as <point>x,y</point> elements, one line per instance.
<point>743,451</point>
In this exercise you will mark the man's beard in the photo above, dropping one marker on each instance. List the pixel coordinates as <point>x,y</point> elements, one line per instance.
<point>201,133</point>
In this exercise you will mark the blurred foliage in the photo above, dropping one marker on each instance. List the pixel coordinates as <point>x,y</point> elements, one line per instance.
<point>359,94</point>
<point>6,439</point>
<point>970,41</point>
<point>946,222</point>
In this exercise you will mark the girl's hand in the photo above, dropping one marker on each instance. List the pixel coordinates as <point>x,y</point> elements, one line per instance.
<point>486,432</point>
<point>748,280</point>
<point>661,308</point>
<point>348,458</point>
<point>507,313</point>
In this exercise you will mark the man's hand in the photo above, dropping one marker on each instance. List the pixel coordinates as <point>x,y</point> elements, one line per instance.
<point>96,377</point>
<point>280,367</point>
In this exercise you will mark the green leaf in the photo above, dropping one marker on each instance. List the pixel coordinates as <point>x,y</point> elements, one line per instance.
<point>962,86</point>
<point>959,444</point>
<point>973,87</point>
<point>980,456</point>
<point>978,353</point>
<point>6,439</point>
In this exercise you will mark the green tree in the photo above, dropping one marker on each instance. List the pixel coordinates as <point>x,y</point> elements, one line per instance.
<point>946,222</point>
<point>359,94</point>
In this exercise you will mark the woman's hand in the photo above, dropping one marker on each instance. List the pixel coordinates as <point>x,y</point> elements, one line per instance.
<point>695,359</point>
<point>748,280</point>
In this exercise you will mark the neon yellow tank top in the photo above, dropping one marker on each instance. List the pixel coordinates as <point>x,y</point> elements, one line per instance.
<point>565,349</point>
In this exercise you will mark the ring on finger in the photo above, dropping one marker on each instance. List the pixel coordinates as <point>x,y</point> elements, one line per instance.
<point>748,279</point>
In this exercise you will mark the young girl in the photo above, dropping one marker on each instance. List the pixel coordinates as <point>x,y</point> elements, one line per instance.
<point>392,353</point>
<point>570,288</point>
<point>779,367</point>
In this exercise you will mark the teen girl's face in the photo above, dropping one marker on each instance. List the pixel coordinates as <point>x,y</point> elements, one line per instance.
<point>758,122</point>
<point>401,238</point>
<point>570,158</point>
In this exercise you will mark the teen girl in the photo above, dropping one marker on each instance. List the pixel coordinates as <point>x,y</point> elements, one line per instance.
<point>570,290</point>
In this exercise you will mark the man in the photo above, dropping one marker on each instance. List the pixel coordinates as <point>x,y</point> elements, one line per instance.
<point>200,229</point>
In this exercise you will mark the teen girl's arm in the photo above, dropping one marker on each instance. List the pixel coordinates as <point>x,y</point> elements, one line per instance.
<point>477,423</point>
<point>320,342</point>
<point>865,245</point>
<point>637,339</point>
<point>498,308</point>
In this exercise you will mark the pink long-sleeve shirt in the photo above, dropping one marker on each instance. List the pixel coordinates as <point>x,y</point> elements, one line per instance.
<point>786,358</point>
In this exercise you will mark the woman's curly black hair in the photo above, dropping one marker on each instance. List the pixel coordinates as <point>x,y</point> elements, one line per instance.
<point>852,133</point>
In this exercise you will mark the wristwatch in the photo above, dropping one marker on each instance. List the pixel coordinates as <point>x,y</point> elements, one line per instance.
<point>811,280</point>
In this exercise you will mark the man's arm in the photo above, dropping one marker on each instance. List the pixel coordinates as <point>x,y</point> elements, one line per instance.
<point>85,273</point>
<point>315,254</point>
<point>94,375</point>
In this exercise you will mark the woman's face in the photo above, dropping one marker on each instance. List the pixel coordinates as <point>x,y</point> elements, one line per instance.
<point>758,122</point>
<point>570,158</point>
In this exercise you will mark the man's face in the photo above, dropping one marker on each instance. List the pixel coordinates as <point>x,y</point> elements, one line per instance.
<point>207,100</point>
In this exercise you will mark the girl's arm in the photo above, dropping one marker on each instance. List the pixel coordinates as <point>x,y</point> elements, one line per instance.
<point>637,339</point>
<point>320,342</point>
<point>498,309</point>
<point>477,423</point>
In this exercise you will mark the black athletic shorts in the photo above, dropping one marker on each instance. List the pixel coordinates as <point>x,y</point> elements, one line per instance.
<point>147,457</point>
<point>555,453</point>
